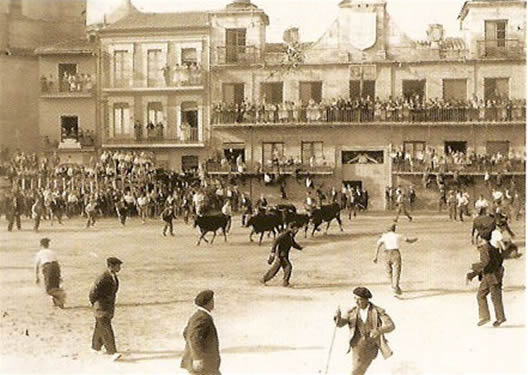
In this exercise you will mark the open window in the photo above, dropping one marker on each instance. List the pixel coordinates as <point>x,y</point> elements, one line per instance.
<point>69,128</point>
<point>412,88</point>
<point>272,91</point>
<point>310,90</point>
<point>452,146</point>
<point>189,118</point>
<point>233,93</point>
<point>67,75</point>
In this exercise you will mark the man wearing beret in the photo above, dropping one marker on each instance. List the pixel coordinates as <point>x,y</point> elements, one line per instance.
<point>201,355</point>
<point>391,241</point>
<point>47,260</point>
<point>102,297</point>
<point>367,323</point>
<point>280,255</point>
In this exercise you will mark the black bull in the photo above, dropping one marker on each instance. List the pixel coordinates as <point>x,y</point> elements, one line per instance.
<point>211,223</point>
<point>326,213</point>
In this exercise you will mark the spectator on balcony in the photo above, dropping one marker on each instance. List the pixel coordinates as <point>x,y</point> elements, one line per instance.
<point>138,130</point>
<point>166,74</point>
<point>176,75</point>
<point>151,130</point>
<point>159,130</point>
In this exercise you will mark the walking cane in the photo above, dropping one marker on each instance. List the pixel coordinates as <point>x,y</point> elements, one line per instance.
<point>331,347</point>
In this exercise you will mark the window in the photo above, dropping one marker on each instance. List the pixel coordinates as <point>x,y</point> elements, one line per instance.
<point>272,92</point>
<point>155,112</point>
<point>496,88</point>
<point>154,67</point>
<point>233,93</point>
<point>454,89</point>
<point>272,151</point>
<point>495,33</point>
<point>67,73</point>
<point>231,154</point>
<point>189,56</point>
<point>413,88</point>
<point>235,44</point>
<point>121,119</point>
<point>362,157</point>
<point>69,128</point>
<point>189,163</point>
<point>414,148</point>
<point>122,69</point>
<point>190,121</point>
<point>492,147</point>
<point>310,90</point>
<point>368,89</point>
<point>311,150</point>
<point>451,146</point>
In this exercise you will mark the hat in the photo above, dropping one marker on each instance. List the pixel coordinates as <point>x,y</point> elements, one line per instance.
<point>391,228</point>
<point>203,297</point>
<point>362,292</point>
<point>113,261</point>
<point>45,241</point>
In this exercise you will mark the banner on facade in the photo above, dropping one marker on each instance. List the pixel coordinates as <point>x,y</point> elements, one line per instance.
<point>361,29</point>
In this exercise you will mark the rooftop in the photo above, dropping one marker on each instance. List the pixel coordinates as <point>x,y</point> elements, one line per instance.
<point>146,21</point>
<point>71,47</point>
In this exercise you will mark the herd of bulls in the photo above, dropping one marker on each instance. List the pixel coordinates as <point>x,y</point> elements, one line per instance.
<point>273,220</point>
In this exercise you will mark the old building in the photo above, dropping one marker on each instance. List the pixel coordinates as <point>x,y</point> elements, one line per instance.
<point>24,26</point>
<point>345,107</point>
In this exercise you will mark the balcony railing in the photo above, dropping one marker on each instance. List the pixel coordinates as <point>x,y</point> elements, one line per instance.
<point>515,112</point>
<point>478,167</point>
<point>81,85</point>
<point>168,78</point>
<point>500,48</point>
<point>153,137</point>
<point>321,167</point>
<point>240,55</point>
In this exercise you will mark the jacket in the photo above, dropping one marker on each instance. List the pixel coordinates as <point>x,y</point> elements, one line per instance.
<point>103,295</point>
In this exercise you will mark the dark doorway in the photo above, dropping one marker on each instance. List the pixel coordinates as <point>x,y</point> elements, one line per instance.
<point>356,184</point>
<point>69,128</point>
<point>452,146</point>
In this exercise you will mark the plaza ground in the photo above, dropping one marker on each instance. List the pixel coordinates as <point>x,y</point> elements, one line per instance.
<point>262,329</point>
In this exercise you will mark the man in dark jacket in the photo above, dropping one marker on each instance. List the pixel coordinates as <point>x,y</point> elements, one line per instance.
<point>102,297</point>
<point>202,354</point>
<point>280,255</point>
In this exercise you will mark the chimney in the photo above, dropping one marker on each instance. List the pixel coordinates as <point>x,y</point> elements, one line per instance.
<point>291,35</point>
<point>435,33</point>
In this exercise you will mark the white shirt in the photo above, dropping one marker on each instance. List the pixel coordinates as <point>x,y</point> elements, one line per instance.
<point>496,239</point>
<point>497,195</point>
<point>45,256</point>
<point>204,310</point>
<point>363,314</point>
<point>391,240</point>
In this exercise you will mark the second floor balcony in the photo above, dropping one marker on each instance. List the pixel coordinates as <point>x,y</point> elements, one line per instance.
<point>500,49</point>
<point>236,55</point>
<point>168,78</point>
<point>154,137</point>
<point>80,85</point>
<point>511,111</point>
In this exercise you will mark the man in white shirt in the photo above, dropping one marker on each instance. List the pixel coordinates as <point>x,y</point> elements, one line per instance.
<point>481,203</point>
<point>226,210</point>
<point>391,241</point>
<point>47,259</point>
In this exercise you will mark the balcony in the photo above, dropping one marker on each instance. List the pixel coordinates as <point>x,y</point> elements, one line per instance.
<point>510,112</point>
<point>176,79</point>
<point>500,49</point>
<point>154,139</point>
<point>80,86</point>
<point>321,168</point>
<point>512,166</point>
<point>236,55</point>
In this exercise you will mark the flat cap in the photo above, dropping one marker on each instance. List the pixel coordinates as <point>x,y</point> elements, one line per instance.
<point>203,297</point>
<point>362,292</point>
<point>113,261</point>
<point>45,241</point>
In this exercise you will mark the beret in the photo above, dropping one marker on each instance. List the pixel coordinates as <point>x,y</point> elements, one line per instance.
<point>203,297</point>
<point>45,241</point>
<point>112,261</point>
<point>391,228</point>
<point>363,292</point>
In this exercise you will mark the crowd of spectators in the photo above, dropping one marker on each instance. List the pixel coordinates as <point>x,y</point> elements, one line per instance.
<point>187,74</point>
<point>449,161</point>
<point>79,82</point>
<point>410,109</point>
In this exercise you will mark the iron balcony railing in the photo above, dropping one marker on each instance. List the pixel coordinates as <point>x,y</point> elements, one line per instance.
<point>500,48</point>
<point>178,77</point>
<point>153,136</point>
<point>241,55</point>
<point>80,84</point>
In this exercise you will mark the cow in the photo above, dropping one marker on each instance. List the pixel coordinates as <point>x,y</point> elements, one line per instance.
<point>298,220</point>
<point>211,223</point>
<point>326,213</point>
<point>264,223</point>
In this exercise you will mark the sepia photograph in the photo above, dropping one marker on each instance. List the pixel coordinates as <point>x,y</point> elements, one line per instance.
<point>263,187</point>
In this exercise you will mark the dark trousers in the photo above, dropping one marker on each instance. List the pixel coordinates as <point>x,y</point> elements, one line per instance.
<point>91,219</point>
<point>168,225</point>
<point>279,262</point>
<point>363,353</point>
<point>491,285</point>
<point>104,335</point>
<point>11,221</point>
<point>36,224</point>
<point>402,209</point>
<point>122,219</point>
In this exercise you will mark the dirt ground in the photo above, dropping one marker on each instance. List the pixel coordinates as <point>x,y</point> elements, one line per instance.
<point>262,329</point>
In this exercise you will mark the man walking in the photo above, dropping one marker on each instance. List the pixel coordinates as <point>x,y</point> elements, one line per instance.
<point>367,323</point>
<point>167,215</point>
<point>280,255</point>
<point>401,206</point>
<point>47,260</point>
<point>102,297</point>
<point>391,241</point>
<point>202,354</point>
<point>490,273</point>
